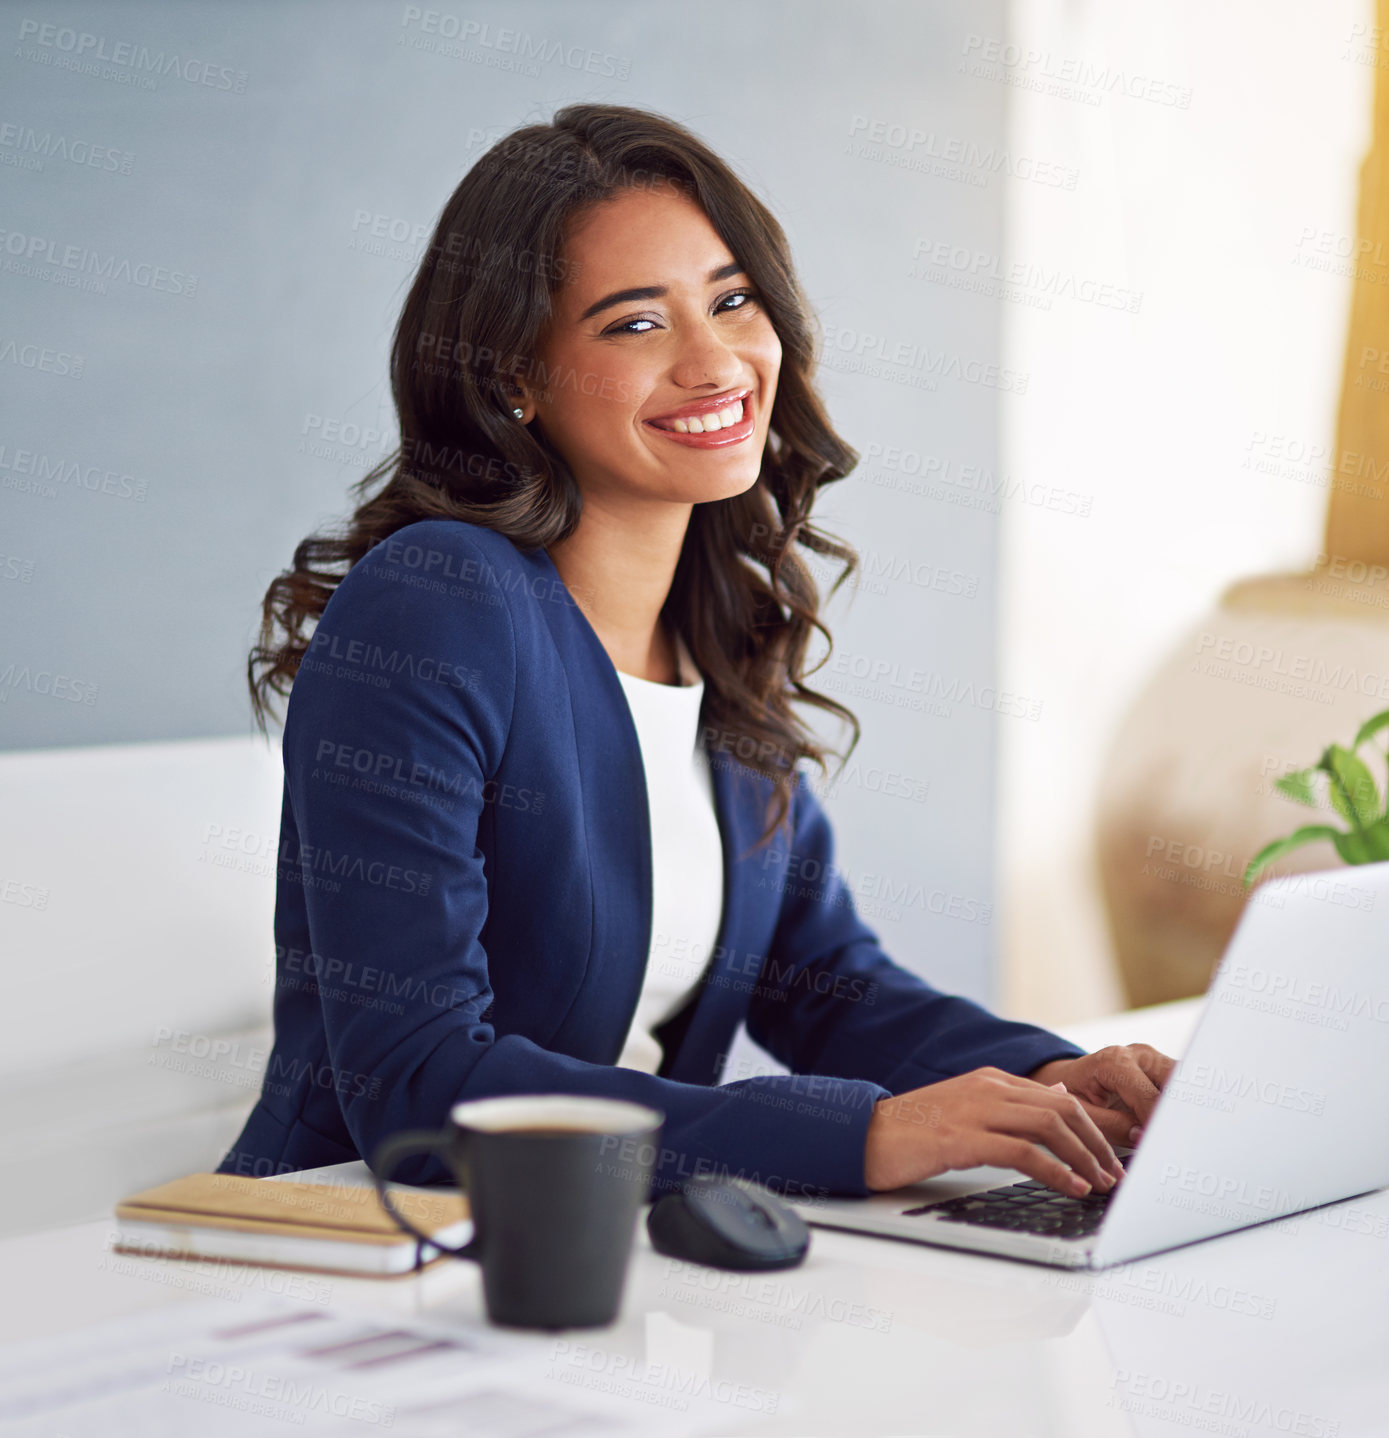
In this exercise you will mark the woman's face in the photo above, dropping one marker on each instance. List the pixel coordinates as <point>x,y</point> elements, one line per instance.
<point>655,331</point>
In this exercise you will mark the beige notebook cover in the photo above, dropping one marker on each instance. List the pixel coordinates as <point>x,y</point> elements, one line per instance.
<point>198,1214</point>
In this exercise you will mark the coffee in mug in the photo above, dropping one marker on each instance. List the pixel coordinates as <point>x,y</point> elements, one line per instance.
<point>554,1186</point>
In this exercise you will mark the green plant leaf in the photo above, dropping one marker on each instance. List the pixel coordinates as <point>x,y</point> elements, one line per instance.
<point>1367,847</point>
<point>1298,786</point>
<point>1377,837</point>
<point>1308,834</point>
<point>1352,848</point>
<point>1335,793</point>
<point>1371,727</point>
<point>1355,796</point>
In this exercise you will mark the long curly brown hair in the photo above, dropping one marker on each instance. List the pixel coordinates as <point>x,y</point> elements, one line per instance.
<point>742,597</point>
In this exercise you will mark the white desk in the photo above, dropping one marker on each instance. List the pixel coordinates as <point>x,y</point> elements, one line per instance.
<point>1283,1329</point>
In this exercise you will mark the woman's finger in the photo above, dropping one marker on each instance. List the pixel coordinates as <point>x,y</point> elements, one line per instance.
<point>1120,1073</point>
<point>1082,1123</point>
<point>1047,1126</point>
<point>1158,1066</point>
<point>1004,1151</point>
<point>1116,1124</point>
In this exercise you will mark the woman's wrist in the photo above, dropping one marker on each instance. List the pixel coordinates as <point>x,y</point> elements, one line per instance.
<point>1053,1071</point>
<point>886,1158</point>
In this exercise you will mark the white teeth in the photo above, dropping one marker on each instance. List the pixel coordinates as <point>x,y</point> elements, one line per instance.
<point>719,419</point>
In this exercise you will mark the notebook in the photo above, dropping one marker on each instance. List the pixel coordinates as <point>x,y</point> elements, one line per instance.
<point>333,1228</point>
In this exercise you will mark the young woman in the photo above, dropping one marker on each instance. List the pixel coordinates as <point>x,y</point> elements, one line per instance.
<point>544,828</point>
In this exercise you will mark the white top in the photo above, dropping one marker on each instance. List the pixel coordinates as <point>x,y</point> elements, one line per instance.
<point>686,851</point>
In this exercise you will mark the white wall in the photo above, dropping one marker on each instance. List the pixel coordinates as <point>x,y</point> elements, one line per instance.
<point>137,888</point>
<point>1209,209</point>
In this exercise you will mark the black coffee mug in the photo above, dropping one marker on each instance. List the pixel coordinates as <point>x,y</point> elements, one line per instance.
<point>554,1183</point>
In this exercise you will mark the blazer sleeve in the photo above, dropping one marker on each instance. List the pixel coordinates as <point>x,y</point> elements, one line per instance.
<point>829,1000</point>
<point>398,888</point>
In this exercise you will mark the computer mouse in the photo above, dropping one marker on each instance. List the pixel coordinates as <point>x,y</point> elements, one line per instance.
<point>725,1224</point>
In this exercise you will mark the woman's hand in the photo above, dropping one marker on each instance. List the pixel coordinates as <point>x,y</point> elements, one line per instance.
<point>988,1116</point>
<point>1118,1086</point>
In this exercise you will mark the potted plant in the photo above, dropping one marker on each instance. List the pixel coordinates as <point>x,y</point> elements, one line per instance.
<point>1350,787</point>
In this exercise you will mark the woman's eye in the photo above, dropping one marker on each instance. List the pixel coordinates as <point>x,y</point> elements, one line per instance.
<point>738,295</point>
<point>626,327</point>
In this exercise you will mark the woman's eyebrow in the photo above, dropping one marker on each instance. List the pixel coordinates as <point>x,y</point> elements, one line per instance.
<point>655,292</point>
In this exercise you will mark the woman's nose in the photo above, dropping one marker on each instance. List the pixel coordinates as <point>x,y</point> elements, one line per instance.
<point>704,358</point>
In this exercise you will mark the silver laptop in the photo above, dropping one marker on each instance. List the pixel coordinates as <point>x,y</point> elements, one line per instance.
<point>1279,1104</point>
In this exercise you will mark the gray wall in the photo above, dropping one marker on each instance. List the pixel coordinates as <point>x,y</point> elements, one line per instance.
<point>168,438</point>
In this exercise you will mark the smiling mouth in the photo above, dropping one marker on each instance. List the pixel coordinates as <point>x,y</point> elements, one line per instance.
<point>706,418</point>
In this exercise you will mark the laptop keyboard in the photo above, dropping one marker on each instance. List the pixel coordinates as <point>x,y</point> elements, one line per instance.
<point>1029,1207</point>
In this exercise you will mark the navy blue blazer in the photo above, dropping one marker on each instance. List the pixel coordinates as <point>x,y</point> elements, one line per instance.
<point>464,898</point>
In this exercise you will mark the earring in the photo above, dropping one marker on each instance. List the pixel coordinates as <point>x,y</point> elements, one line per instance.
<point>518,413</point>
